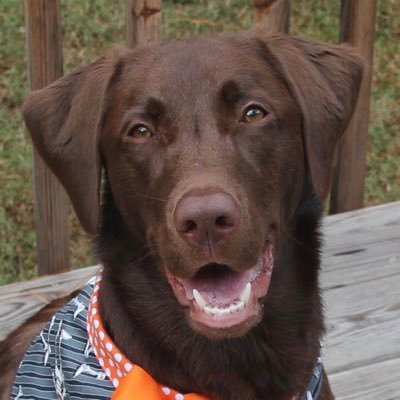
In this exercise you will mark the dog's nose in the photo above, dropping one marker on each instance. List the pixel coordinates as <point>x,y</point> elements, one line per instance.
<point>206,219</point>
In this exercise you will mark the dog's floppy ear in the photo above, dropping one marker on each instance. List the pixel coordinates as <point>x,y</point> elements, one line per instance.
<point>64,120</point>
<point>325,80</point>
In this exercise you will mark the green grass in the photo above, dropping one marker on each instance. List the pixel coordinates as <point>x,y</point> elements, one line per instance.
<point>92,26</point>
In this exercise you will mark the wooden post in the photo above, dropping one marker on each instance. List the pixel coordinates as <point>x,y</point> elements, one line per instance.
<point>44,46</point>
<point>274,15</point>
<point>358,29</point>
<point>143,21</point>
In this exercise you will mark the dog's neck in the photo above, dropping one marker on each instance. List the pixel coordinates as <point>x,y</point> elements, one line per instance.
<point>273,361</point>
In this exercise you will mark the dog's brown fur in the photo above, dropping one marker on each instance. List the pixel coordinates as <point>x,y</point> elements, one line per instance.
<point>192,95</point>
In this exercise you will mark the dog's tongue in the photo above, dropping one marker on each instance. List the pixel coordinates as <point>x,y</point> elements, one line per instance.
<point>217,284</point>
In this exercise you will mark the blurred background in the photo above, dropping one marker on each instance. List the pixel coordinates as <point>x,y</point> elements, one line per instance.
<point>90,27</point>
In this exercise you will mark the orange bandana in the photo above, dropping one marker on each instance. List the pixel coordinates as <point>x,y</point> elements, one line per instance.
<point>127,378</point>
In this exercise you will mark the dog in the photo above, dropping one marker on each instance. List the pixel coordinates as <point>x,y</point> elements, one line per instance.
<point>214,157</point>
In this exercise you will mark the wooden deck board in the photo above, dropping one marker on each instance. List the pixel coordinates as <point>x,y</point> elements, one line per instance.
<point>361,282</point>
<point>363,324</point>
<point>369,382</point>
<point>18,301</point>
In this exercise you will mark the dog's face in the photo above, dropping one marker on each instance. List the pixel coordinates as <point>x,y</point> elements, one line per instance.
<point>207,146</point>
<point>189,146</point>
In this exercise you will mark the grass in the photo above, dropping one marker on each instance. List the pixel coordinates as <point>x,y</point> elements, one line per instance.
<point>92,26</point>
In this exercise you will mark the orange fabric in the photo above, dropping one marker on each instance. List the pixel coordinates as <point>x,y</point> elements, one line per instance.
<point>139,385</point>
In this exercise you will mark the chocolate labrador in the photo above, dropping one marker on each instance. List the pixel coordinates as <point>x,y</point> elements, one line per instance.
<point>216,155</point>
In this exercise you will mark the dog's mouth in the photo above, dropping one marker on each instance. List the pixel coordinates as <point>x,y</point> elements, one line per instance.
<point>220,298</point>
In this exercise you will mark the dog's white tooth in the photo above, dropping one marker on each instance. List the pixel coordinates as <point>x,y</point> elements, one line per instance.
<point>199,299</point>
<point>246,293</point>
<point>213,311</point>
<point>207,310</point>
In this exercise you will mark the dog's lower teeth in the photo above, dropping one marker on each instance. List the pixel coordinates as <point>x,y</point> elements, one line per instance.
<point>238,305</point>
<point>221,312</point>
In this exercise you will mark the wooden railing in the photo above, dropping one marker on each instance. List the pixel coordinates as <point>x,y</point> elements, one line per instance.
<point>45,64</point>
<point>143,23</point>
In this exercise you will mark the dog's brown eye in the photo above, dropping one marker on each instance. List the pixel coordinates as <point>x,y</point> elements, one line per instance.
<point>140,133</point>
<point>254,114</point>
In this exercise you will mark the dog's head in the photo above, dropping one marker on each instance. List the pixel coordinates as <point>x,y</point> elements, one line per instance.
<point>207,145</point>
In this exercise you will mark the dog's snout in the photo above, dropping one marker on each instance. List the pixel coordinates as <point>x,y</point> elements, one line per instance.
<point>206,219</point>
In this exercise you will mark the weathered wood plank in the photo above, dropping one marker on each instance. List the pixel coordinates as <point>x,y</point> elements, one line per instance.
<point>143,21</point>
<point>361,288</point>
<point>357,28</point>
<point>44,44</point>
<point>363,322</point>
<point>272,15</point>
<point>361,245</point>
<point>371,382</point>
<point>21,300</point>
<point>367,265</point>
<point>376,217</point>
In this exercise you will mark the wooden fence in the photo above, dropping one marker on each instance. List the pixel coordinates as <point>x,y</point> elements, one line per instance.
<point>143,22</point>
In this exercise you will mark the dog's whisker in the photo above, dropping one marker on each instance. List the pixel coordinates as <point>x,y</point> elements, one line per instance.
<point>151,197</point>
<point>144,257</point>
<point>303,245</point>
